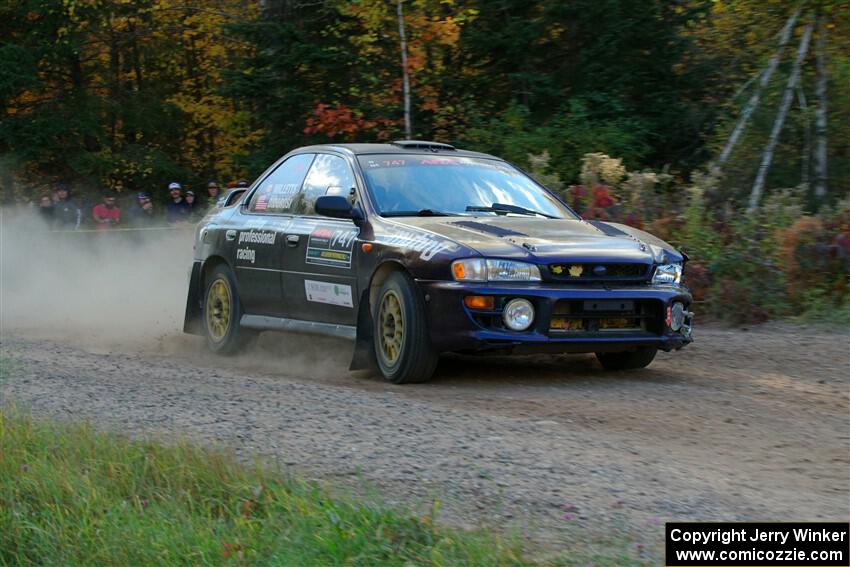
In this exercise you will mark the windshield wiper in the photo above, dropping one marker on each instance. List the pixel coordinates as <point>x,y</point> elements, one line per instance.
<point>419,213</point>
<point>506,208</point>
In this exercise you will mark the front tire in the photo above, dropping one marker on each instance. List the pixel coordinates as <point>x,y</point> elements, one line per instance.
<point>402,345</point>
<point>628,360</point>
<point>222,313</point>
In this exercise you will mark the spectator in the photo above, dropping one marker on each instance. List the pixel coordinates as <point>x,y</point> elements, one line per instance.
<point>142,213</point>
<point>66,214</point>
<point>241,183</point>
<point>176,210</point>
<point>212,194</point>
<point>195,212</point>
<point>45,209</point>
<point>106,214</point>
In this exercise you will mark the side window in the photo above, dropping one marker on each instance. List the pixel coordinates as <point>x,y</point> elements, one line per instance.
<point>277,192</point>
<point>330,175</point>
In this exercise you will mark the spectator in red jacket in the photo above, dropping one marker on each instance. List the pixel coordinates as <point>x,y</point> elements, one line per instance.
<point>106,214</point>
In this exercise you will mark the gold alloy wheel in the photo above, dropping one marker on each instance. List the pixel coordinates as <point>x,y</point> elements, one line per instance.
<point>218,309</point>
<point>391,327</point>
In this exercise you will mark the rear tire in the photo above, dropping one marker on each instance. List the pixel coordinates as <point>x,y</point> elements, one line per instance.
<point>628,360</point>
<point>401,341</point>
<point>222,313</point>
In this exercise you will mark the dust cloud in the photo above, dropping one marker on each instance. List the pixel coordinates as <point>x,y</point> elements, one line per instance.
<point>104,287</point>
<point>125,291</point>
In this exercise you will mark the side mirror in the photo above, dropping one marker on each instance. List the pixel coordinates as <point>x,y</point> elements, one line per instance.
<point>338,207</point>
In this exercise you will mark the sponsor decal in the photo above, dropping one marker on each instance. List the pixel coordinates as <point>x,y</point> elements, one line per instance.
<point>257,237</point>
<point>427,245</point>
<point>576,270</point>
<point>330,293</point>
<point>373,163</point>
<point>329,247</point>
<point>246,254</point>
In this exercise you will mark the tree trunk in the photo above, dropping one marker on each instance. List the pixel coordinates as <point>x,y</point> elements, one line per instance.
<point>820,115</point>
<point>753,102</point>
<point>408,127</point>
<point>787,96</point>
<point>805,157</point>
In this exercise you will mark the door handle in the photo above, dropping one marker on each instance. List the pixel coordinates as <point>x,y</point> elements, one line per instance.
<point>292,240</point>
<point>230,235</point>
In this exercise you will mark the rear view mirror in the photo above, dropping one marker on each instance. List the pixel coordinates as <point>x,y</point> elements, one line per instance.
<point>337,207</point>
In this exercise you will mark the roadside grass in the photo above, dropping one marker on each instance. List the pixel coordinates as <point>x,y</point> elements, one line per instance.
<point>73,496</point>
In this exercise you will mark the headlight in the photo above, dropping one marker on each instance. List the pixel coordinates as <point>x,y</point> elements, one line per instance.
<point>494,270</point>
<point>668,274</point>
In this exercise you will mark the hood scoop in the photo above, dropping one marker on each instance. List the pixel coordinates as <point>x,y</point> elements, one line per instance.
<point>487,228</point>
<point>606,229</point>
<point>609,230</point>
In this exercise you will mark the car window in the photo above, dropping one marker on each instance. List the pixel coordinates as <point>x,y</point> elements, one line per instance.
<point>454,185</point>
<point>329,175</point>
<point>277,192</point>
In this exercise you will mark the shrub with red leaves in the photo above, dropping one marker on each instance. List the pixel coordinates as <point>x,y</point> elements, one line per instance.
<point>577,196</point>
<point>698,280</point>
<point>602,198</point>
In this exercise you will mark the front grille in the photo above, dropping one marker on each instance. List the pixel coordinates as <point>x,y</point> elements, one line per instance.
<point>600,272</point>
<point>575,317</point>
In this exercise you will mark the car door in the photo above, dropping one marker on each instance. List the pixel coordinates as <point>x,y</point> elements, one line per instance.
<point>259,237</point>
<point>320,279</point>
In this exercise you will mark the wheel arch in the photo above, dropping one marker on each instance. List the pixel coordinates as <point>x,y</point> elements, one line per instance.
<point>210,264</point>
<point>201,271</point>
<point>380,275</point>
<point>364,357</point>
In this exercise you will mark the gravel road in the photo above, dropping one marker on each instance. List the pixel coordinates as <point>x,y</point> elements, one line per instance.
<point>741,425</point>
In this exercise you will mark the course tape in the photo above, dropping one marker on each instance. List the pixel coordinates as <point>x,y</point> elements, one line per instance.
<point>113,230</point>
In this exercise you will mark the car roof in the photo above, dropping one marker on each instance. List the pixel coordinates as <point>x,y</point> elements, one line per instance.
<point>399,147</point>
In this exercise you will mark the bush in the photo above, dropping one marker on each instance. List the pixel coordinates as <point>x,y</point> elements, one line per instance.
<point>745,268</point>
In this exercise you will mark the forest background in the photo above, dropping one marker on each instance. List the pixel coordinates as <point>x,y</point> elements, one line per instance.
<point>719,125</point>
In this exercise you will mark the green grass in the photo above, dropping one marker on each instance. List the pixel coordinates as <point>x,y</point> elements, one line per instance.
<point>73,496</point>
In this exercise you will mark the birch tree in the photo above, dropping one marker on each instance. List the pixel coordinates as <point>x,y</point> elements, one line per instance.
<point>806,154</point>
<point>764,80</point>
<point>820,163</point>
<point>784,105</point>
<point>408,127</point>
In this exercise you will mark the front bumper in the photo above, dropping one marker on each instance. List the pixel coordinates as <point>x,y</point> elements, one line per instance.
<point>454,327</point>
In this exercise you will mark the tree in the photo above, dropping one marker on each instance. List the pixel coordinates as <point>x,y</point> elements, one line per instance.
<point>787,97</point>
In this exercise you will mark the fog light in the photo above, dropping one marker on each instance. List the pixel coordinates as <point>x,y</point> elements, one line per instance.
<point>519,314</point>
<point>484,302</point>
<point>677,316</point>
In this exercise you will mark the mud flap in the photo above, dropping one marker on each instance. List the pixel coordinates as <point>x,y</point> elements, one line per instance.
<point>192,319</point>
<point>364,354</point>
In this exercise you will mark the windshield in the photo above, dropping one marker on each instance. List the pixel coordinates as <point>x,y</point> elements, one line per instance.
<point>403,184</point>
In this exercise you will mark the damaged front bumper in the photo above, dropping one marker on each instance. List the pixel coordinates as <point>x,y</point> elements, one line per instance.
<point>566,319</point>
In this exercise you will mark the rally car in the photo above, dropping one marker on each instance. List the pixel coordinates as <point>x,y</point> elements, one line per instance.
<point>413,249</point>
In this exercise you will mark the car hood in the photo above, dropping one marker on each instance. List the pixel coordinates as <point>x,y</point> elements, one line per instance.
<point>548,240</point>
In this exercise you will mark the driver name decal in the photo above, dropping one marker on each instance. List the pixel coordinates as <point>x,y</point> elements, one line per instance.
<point>329,247</point>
